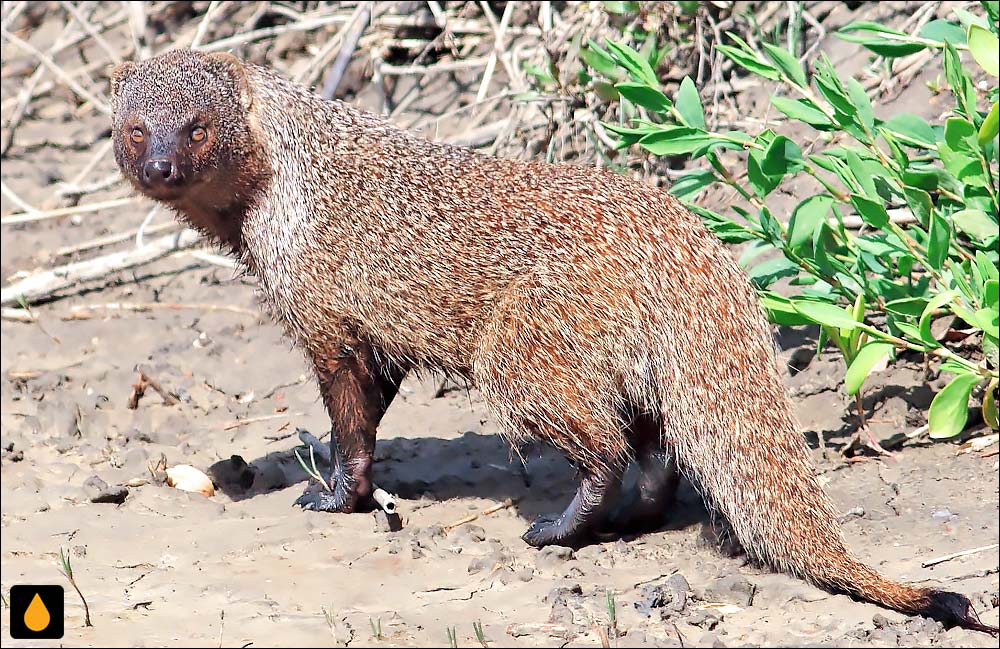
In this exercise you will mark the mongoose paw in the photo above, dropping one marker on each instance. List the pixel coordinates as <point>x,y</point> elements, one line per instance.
<point>317,498</point>
<point>542,531</point>
<point>551,529</point>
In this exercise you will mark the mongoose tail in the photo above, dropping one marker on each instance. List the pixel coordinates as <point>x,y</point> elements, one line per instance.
<point>780,514</point>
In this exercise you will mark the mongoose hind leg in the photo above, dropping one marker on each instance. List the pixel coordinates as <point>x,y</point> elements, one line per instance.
<point>356,389</point>
<point>543,377</point>
<point>646,503</point>
<point>580,522</point>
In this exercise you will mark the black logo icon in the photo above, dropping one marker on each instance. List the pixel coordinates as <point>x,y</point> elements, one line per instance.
<point>36,612</point>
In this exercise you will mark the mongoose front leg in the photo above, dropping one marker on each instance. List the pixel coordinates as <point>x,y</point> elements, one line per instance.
<point>356,391</point>
<point>585,515</point>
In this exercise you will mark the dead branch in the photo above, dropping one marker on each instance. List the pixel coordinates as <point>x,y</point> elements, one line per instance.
<point>46,283</point>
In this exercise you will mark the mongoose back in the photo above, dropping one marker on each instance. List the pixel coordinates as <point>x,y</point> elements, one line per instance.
<point>593,312</point>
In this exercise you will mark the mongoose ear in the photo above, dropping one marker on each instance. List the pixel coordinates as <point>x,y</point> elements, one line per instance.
<point>119,74</point>
<point>238,72</point>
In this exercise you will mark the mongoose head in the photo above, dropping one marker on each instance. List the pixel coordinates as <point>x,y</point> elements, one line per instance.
<point>180,127</point>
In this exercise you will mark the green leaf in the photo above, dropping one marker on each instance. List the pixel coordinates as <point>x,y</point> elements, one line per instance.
<point>866,358</point>
<point>636,65</point>
<point>990,126</point>
<point>871,35</point>
<point>943,31</point>
<point>689,185</point>
<point>689,104</point>
<point>920,204</point>
<point>807,216</point>
<point>864,172</point>
<point>767,272</point>
<point>927,316</point>
<point>761,183</point>
<point>725,229</point>
<point>627,136</point>
<point>951,366</point>
<point>644,129</point>
<point>907,306</point>
<point>898,154</point>
<point>989,321</point>
<point>987,268</point>
<point>787,63</point>
<point>937,241</point>
<point>821,236</point>
<point>992,8</point>
<point>744,56</point>
<point>642,95</point>
<point>961,135</point>
<point>911,129</point>
<point>912,332</point>
<point>833,91</point>
<point>974,223</point>
<point>959,81</point>
<point>990,415</point>
<point>781,157</point>
<point>598,58</point>
<point>991,294</point>
<point>675,140</point>
<point>950,407</point>
<point>620,8</point>
<point>861,101</point>
<point>985,49</point>
<point>770,226</point>
<point>824,313</point>
<point>802,110</point>
<point>871,212</point>
<point>780,310</point>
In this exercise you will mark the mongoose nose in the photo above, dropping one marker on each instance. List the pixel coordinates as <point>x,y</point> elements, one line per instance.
<point>158,171</point>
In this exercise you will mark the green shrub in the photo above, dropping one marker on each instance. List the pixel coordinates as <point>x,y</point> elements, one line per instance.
<point>925,194</point>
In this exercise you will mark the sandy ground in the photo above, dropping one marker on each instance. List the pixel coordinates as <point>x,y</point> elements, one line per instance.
<point>245,567</point>
<point>166,567</point>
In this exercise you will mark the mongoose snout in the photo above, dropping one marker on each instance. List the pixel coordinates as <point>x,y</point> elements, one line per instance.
<point>593,312</point>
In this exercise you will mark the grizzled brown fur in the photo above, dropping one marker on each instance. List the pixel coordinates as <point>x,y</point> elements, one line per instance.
<point>585,306</point>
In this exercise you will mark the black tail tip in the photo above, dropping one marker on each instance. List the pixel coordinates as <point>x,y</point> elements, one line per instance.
<point>953,609</point>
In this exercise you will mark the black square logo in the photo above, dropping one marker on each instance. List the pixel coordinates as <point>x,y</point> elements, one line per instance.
<point>36,612</point>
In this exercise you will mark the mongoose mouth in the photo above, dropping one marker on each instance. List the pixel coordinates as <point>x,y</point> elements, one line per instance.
<point>163,193</point>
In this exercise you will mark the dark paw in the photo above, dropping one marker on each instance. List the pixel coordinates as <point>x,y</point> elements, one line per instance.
<point>544,530</point>
<point>317,498</point>
<point>549,529</point>
<point>320,501</point>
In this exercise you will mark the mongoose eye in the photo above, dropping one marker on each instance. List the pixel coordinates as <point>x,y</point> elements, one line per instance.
<point>137,135</point>
<point>198,134</point>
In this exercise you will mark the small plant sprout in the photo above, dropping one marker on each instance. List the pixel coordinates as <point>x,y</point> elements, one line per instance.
<point>376,625</point>
<point>452,637</point>
<point>66,568</point>
<point>612,614</point>
<point>477,626</point>
<point>311,469</point>
<point>330,622</point>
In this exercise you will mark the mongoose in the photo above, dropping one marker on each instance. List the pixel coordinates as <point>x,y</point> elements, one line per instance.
<point>592,311</point>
